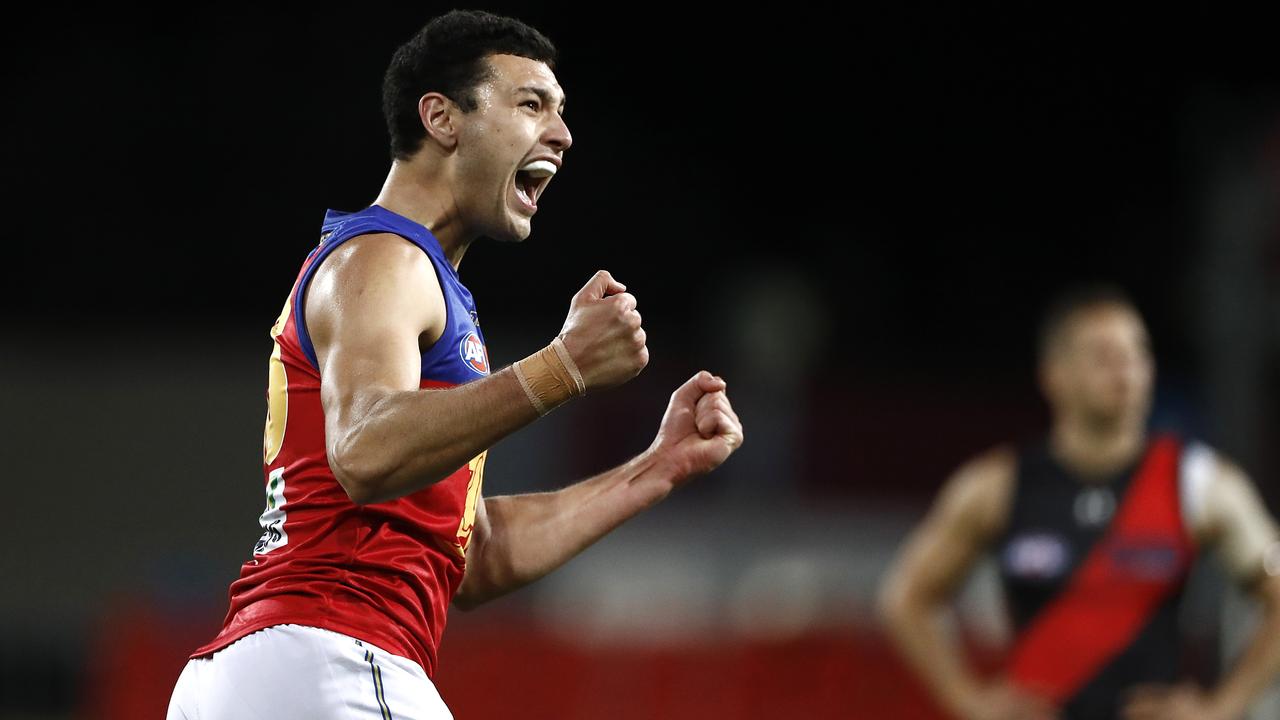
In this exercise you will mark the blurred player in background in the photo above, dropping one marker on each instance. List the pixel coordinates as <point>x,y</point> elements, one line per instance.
<point>382,407</point>
<point>1095,528</point>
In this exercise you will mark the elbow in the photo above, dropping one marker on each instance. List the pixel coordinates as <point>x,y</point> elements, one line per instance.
<point>373,475</point>
<point>466,602</point>
<point>1269,591</point>
<point>476,588</point>
<point>359,490</point>
<point>895,604</point>
<point>357,476</point>
<point>887,604</point>
<point>472,593</point>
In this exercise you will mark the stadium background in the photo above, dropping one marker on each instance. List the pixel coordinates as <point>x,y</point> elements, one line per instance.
<point>855,219</point>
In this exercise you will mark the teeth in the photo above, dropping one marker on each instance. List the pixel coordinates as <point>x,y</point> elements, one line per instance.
<point>523,195</point>
<point>540,169</point>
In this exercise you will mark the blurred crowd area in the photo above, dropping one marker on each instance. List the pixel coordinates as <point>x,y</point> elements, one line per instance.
<point>748,594</point>
<point>133,453</point>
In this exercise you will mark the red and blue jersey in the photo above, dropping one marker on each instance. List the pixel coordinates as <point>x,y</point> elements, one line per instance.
<point>383,572</point>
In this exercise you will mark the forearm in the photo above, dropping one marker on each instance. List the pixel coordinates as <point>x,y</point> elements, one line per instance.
<point>405,441</point>
<point>1260,662</point>
<point>531,535</point>
<point>916,628</point>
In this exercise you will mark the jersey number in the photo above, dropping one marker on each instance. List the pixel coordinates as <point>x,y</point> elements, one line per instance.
<point>273,517</point>
<point>277,391</point>
<point>474,486</point>
<point>272,520</point>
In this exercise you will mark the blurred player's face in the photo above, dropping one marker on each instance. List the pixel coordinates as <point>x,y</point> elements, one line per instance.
<point>517,123</point>
<point>1101,370</point>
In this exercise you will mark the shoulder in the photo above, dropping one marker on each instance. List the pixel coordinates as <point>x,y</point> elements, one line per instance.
<point>988,475</point>
<point>1214,490</point>
<point>382,255</point>
<point>981,489</point>
<point>1214,486</point>
<point>376,263</point>
<point>1228,513</point>
<point>376,275</point>
<point>1205,478</point>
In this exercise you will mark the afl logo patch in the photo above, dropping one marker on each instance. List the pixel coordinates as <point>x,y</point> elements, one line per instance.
<point>474,354</point>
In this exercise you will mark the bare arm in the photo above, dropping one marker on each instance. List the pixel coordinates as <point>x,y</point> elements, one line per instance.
<point>370,309</point>
<point>1233,520</point>
<point>1260,662</point>
<point>519,538</point>
<point>967,517</point>
<point>1237,524</point>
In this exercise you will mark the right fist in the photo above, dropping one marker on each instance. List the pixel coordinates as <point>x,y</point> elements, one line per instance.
<point>602,333</point>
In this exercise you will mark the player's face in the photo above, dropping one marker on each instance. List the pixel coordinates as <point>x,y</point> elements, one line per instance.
<point>1104,368</point>
<point>518,122</point>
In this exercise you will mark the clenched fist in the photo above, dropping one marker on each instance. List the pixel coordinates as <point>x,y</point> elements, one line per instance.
<point>603,333</point>
<point>700,429</point>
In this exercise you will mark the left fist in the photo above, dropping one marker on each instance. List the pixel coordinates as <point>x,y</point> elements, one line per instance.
<point>699,430</point>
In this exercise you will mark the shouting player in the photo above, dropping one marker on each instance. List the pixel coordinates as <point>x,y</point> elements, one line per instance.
<point>381,407</point>
<point>1094,528</point>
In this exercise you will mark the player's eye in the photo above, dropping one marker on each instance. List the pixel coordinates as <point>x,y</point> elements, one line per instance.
<point>532,104</point>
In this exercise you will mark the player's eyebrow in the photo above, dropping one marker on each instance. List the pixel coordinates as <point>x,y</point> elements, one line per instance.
<point>543,95</point>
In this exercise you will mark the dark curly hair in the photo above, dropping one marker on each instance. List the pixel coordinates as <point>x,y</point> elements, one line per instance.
<point>448,56</point>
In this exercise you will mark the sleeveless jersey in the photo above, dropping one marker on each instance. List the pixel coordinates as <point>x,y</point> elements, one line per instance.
<point>383,572</point>
<point>1093,573</point>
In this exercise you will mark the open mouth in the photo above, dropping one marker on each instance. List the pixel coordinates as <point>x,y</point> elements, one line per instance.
<point>532,180</point>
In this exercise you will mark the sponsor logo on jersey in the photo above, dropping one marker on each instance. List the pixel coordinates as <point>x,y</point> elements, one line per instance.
<point>1037,556</point>
<point>1151,559</point>
<point>474,354</point>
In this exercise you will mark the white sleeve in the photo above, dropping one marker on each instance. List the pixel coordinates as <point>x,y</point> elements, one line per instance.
<point>1196,471</point>
<point>1221,505</point>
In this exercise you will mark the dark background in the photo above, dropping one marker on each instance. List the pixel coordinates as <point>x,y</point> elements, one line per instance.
<point>935,176</point>
<point>857,218</point>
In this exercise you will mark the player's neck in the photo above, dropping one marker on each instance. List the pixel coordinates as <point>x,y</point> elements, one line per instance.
<point>1096,452</point>
<point>426,200</point>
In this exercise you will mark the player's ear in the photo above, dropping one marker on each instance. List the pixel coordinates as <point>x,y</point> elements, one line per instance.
<point>438,115</point>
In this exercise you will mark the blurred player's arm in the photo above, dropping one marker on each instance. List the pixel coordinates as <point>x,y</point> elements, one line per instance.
<point>519,538</point>
<point>1233,520</point>
<point>967,517</point>
<point>367,308</point>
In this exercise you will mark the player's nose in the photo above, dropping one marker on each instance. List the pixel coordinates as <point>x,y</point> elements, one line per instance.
<point>557,135</point>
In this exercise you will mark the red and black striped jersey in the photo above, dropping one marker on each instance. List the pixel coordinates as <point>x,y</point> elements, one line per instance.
<point>1093,572</point>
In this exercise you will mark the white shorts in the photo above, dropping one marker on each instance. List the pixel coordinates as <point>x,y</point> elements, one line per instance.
<point>289,672</point>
